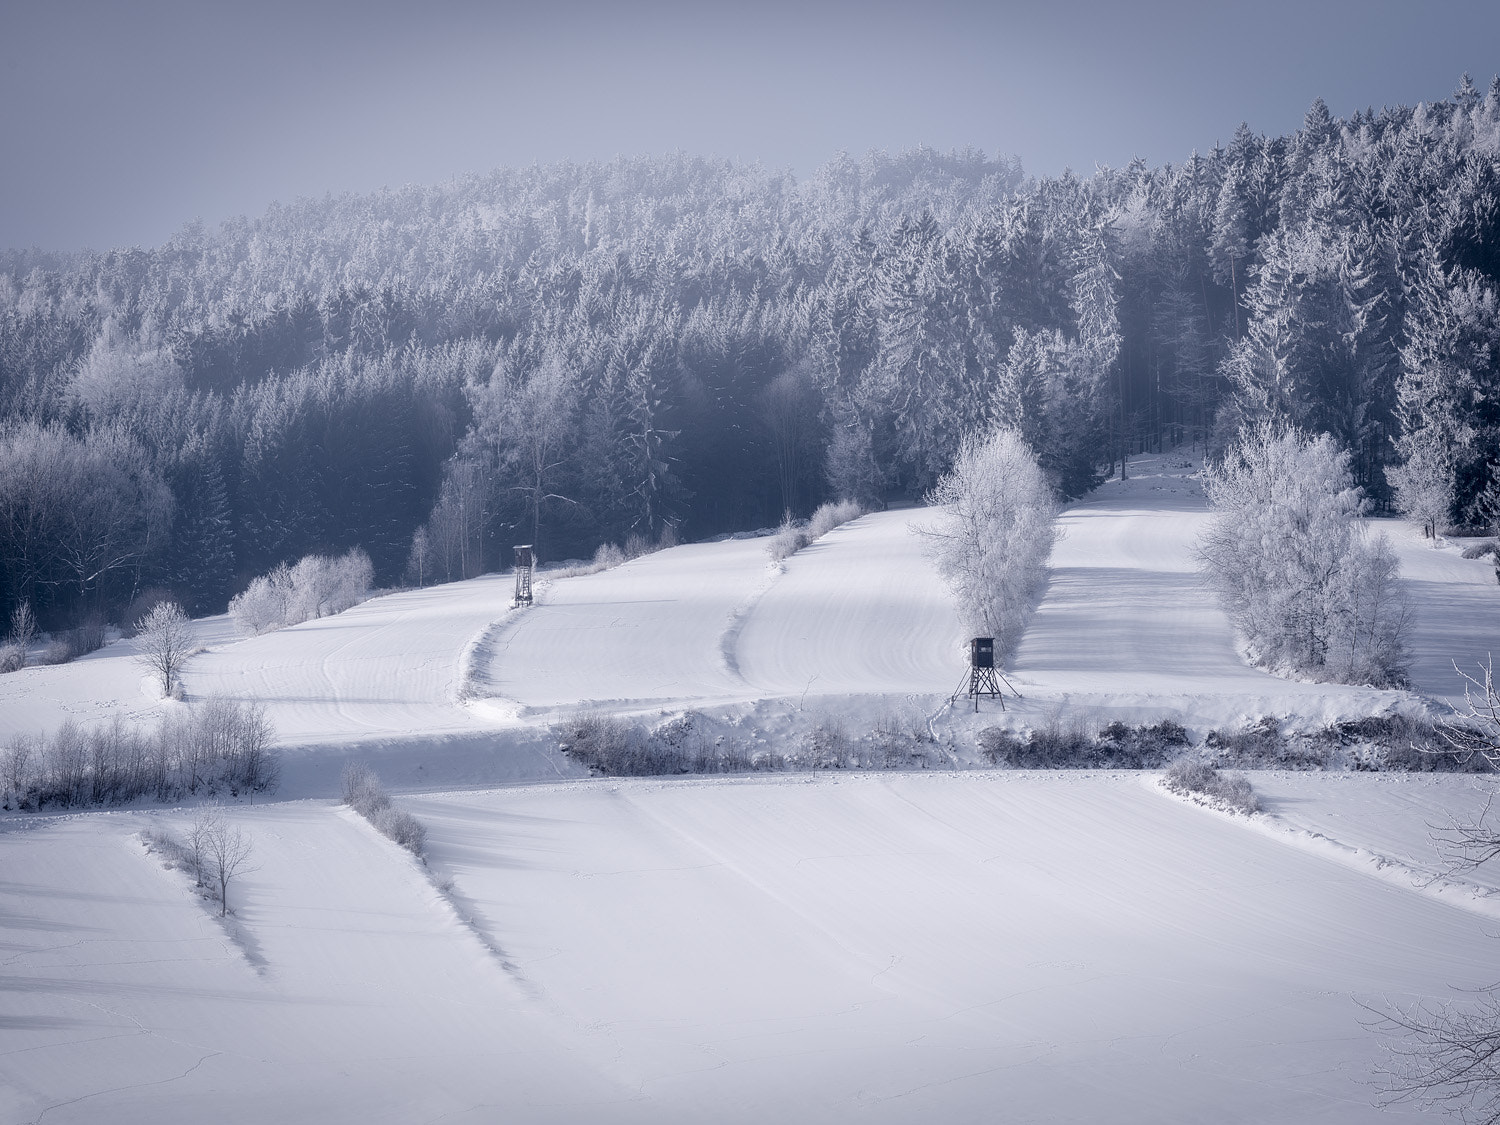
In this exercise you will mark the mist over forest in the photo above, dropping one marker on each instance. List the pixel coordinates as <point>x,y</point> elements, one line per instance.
<point>678,346</point>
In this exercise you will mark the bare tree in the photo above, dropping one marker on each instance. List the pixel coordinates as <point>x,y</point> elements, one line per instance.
<point>165,636</point>
<point>416,561</point>
<point>220,853</point>
<point>1447,1055</point>
<point>22,625</point>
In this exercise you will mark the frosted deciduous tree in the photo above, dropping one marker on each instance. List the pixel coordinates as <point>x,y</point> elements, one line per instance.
<point>995,534</point>
<point>220,853</point>
<point>419,560</point>
<point>165,639</point>
<point>1293,565</point>
<point>1424,481</point>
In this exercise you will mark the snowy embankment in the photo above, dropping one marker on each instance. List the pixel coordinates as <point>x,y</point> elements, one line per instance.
<point>1063,947</point>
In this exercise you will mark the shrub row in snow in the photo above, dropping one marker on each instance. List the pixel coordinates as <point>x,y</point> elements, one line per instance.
<point>364,794</point>
<point>317,586</point>
<point>610,555</point>
<point>793,535</point>
<point>1115,746</point>
<point>1400,743</point>
<point>1308,589</point>
<point>216,746</point>
<point>1228,791</point>
<point>994,535</point>
<point>611,746</point>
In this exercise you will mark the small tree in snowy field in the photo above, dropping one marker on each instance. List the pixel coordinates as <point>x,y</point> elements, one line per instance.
<point>22,625</point>
<point>1293,565</point>
<point>165,637</point>
<point>1424,483</point>
<point>418,562</point>
<point>995,534</point>
<point>219,852</point>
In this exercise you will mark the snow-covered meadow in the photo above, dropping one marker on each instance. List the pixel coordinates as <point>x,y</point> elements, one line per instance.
<point>957,944</point>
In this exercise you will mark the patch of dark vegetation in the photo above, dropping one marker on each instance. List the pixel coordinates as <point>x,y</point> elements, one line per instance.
<point>1115,746</point>
<point>1231,792</point>
<point>610,746</point>
<point>1400,743</point>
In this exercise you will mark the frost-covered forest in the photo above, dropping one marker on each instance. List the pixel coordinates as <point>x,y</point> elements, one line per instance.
<point>575,354</point>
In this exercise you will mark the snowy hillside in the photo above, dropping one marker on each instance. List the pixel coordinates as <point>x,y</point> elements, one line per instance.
<point>857,625</point>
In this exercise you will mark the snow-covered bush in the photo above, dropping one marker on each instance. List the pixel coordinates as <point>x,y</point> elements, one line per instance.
<point>830,516</point>
<point>793,535</point>
<point>1229,791</point>
<point>790,538</point>
<point>1310,591</point>
<point>12,657</point>
<point>995,534</point>
<point>364,794</point>
<point>59,650</point>
<point>317,586</point>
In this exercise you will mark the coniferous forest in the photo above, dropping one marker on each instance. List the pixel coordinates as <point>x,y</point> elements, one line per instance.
<point>677,347</point>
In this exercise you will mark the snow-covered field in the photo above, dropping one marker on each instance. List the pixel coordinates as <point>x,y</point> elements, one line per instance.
<point>965,946</point>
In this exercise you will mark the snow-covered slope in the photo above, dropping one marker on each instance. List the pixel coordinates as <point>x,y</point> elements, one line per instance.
<point>884,948</point>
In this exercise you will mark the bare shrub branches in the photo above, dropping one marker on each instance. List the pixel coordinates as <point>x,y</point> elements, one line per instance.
<point>1445,1056</point>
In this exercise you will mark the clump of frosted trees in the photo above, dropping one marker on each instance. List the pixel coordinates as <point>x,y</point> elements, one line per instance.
<point>317,586</point>
<point>215,746</point>
<point>994,535</point>
<point>1310,590</point>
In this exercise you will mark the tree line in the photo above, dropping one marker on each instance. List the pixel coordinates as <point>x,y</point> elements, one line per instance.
<point>572,355</point>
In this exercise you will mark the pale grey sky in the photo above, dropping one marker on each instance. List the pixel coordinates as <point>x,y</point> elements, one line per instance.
<point>120,121</point>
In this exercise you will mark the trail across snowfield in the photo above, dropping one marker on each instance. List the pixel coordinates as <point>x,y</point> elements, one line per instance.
<point>883,948</point>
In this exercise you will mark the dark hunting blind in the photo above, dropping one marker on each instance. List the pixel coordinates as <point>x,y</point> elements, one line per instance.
<point>525,561</point>
<point>983,679</point>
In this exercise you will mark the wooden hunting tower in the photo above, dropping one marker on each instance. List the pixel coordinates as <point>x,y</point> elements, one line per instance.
<point>525,561</point>
<point>983,678</point>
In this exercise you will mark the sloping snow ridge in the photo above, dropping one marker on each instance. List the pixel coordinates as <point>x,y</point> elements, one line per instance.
<point>965,946</point>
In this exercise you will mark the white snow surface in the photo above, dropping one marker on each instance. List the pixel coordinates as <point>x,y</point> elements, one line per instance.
<point>955,946</point>
<point>963,947</point>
